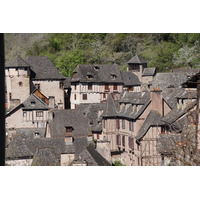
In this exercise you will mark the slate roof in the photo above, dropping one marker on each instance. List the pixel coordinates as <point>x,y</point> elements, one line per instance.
<point>175,114</point>
<point>39,104</point>
<point>169,95</point>
<point>130,79</point>
<point>187,94</point>
<point>26,105</point>
<point>91,111</point>
<point>29,133</point>
<point>67,82</point>
<point>18,149</point>
<point>167,80</point>
<point>111,109</point>
<point>136,60</point>
<point>17,62</point>
<point>90,156</point>
<point>99,73</point>
<point>149,72</point>
<point>45,157</point>
<point>69,118</point>
<point>43,68</point>
<point>153,119</point>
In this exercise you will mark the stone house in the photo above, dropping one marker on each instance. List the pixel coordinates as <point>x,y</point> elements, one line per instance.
<point>37,72</point>
<point>93,83</point>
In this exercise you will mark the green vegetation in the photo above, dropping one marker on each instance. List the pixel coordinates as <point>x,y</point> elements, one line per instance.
<point>162,50</point>
<point>117,163</point>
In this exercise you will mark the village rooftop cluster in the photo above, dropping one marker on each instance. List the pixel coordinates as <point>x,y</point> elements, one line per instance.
<point>100,116</point>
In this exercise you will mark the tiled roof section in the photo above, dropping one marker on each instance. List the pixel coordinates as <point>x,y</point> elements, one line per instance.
<point>175,114</point>
<point>43,68</point>
<point>29,133</point>
<point>149,72</point>
<point>141,99</point>
<point>57,143</point>
<point>18,149</point>
<point>187,70</point>
<point>67,82</point>
<point>45,157</point>
<point>136,60</point>
<point>92,157</point>
<point>80,143</point>
<point>69,118</point>
<point>17,61</point>
<point>135,97</point>
<point>187,94</point>
<point>33,102</point>
<point>153,119</point>
<point>130,79</point>
<point>111,108</point>
<point>169,80</point>
<point>98,74</point>
<point>169,95</point>
<point>91,111</point>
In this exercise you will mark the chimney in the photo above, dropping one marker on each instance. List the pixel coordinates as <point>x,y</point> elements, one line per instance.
<point>156,100</point>
<point>51,101</point>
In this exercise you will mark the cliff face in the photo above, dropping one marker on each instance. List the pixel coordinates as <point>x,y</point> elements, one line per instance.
<point>19,43</point>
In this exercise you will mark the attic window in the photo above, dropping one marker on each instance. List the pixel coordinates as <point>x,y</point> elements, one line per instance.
<point>113,76</point>
<point>32,103</point>
<point>96,68</point>
<point>37,135</point>
<point>68,130</point>
<point>74,74</point>
<point>89,77</point>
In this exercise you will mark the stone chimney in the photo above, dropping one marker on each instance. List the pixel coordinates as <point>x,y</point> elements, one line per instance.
<point>156,100</point>
<point>51,101</point>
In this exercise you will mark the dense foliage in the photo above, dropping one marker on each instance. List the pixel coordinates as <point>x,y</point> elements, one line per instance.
<point>162,50</point>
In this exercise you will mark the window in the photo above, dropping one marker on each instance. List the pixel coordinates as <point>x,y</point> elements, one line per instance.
<point>123,124</point>
<point>114,87</point>
<point>75,86</point>
<point>20,83</point>
<point>131,142</point>
<point>37,86</point>
<point>68,130</point>
<point>89,86</point>
<point>131,128</point>
<point>84,96</point>
<point>24,114</point>
<point>106,87</point>
<point>118,140</point>
<point>37,135</point>
<point>32,103</point>
<point>104,95</point>
<point>61,85</point>
<point>98,136</point>
<point>89,77</point>
<point>10,96</point>
<point>74,74</point>
<point>39,113</point>
<point>117,124</point>
<point>130,88</point>
<point>113,76</point>
<point>123,141</point>
<point>75,97</point>
<point>104,123</point>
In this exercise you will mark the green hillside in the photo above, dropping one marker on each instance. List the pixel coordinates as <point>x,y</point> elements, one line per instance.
<point>164,51</point>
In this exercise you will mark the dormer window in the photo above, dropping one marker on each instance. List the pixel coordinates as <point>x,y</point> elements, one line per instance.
<point>113,76</point>
<point>74,74</point>
<point>68,130</point>
<point>32,103</point>
<point>37,135</point>
<point>89,77</point>
<point>96,68</point>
